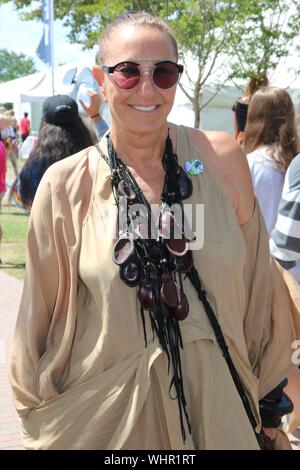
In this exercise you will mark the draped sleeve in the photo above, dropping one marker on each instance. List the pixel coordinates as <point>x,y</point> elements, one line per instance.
<point>47,314</point>
<point>271,322</point>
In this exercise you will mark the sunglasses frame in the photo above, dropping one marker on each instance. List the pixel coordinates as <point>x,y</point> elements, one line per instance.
<point>111,69</point>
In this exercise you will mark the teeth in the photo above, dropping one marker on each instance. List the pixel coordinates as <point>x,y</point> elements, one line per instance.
<point>144,108</point>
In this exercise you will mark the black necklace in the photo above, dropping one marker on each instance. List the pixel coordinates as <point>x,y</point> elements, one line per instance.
<point>149,256</point>
<point>155,258</point>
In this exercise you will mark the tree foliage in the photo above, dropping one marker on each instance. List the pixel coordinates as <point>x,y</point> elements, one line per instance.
<point>269,33</point>
<point>14,65</point>
<point>221,38</point>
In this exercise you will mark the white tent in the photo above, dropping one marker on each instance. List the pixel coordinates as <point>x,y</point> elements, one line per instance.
<point>38,86</point>
<point>28,93</point>
<point>11,92</point>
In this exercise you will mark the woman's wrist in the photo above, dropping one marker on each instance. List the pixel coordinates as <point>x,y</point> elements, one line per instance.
<point>94,116</point>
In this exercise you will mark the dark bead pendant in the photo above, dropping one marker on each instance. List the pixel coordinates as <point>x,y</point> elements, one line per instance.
<point>177,246</point>
<point>169,291</point>
<point>185,262</point>
<point>130,272</point>
<point>185,185</point>
<point>146,294</point>
<point>181,311</point>
<point>123,249</point>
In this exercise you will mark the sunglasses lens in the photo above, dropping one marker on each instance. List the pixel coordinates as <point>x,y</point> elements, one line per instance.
<point>165,75</point>
<point>126,76</point>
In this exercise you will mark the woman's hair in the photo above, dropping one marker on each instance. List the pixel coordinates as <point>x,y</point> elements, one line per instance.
<point>54,143</point>
<point>241,106</point>
<point>256,82</point>
<point>134,19</point>
<point>271,122</point>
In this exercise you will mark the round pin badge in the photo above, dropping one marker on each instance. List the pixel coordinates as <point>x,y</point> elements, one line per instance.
<point>193,167</point>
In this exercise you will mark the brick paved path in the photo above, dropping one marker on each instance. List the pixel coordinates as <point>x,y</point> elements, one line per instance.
<point>10,293</point>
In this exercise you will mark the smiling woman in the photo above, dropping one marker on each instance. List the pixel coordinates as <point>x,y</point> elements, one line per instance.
<point>125,322</point>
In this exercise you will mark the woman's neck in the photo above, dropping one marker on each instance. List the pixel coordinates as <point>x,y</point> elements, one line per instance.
<point>139,149</point>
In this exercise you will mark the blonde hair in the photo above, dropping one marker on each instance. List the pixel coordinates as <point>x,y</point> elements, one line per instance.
<point>271,122</point>
<point>256,82</point>
<point>134,19</point>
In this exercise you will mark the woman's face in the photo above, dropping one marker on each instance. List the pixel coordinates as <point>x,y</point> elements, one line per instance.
<point>146,107</point>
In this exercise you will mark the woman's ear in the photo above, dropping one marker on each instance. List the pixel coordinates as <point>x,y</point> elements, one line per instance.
<point>98,75</point>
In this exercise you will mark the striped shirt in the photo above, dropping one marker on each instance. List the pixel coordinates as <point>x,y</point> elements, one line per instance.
<point>285,241</point>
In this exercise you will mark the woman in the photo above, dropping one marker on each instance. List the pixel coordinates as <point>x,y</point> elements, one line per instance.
<point>271,143</point>
<point>2,172</point>
<point>99,360</point>
<point>2,182</point>
<point>61,134</point>
<point>241,106</point>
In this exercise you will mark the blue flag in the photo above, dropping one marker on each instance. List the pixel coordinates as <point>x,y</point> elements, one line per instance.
<point>44,48</point>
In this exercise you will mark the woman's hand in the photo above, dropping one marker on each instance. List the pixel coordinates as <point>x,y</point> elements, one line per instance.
<point>270,433</point>
<point>95,102</point>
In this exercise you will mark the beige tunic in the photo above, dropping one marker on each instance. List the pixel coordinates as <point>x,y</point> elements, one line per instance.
<point>81,375</point>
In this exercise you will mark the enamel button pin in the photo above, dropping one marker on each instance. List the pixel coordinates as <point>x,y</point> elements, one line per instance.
<point>193,167</point>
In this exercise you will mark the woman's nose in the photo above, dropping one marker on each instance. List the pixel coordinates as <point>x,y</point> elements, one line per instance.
<point>146,85</point>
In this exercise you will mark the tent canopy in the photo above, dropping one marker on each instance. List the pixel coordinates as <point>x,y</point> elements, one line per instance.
<point>37,87</point>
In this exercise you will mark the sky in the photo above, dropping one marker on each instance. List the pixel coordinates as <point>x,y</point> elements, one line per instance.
<point>24,36</point>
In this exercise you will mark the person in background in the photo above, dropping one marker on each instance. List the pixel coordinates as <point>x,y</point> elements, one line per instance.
<point>8,137</point>
<point>285,247</point>
<point>93,111</point>
<point>61,134</point>
<point>130,342</point>
<point>2,184</point>
<point>285,237</point>
<point>12,141</point>
<point>271,143</point>
<point>2,172</point>
<point>24,127</point>
<point>240,107</point>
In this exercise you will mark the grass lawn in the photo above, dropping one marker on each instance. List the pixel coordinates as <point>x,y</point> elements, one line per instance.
<point>14,224</point>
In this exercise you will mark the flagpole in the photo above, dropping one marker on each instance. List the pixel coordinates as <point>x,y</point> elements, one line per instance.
<point>45,50</point>
<point>51,27</point>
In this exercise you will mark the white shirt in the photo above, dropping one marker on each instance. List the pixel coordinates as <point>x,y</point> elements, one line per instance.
<point>268,184</point>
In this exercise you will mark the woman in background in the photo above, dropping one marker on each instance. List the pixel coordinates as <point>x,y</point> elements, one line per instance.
<point>61,134</point>
<point>240,107</point>
<point>270,143</point>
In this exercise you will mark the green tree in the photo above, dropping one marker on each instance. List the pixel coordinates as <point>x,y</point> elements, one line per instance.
<point>269,33</point>
<point>204,30</point>
<point>206,33</point>
<point>222,39</point>
<point>13,65</point>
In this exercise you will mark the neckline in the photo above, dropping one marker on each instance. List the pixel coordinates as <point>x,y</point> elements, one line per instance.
<point>125,167</point>
<point>137,186</point>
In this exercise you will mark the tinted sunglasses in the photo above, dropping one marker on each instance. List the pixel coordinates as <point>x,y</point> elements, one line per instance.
<point>127,75</point>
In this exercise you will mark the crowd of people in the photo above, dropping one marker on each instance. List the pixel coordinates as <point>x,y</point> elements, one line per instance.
<point>129,337</point>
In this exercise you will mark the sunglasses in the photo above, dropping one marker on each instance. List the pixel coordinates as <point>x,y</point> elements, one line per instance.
<point>127,75</point>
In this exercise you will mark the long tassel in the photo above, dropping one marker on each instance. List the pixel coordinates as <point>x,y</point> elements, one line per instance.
<point>177,379</point>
